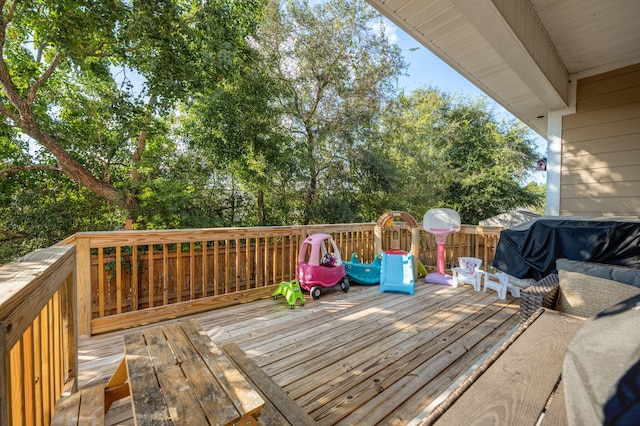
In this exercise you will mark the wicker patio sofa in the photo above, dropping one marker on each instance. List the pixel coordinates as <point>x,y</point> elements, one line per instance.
<point>544,293</point>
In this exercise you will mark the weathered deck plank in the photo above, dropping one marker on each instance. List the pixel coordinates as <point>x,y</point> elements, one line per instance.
<point>365,362</point>
<point>363,357</point>
<point>422,399</point>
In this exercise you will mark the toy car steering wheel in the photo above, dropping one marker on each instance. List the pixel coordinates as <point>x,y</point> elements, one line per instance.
<point>327,259</point>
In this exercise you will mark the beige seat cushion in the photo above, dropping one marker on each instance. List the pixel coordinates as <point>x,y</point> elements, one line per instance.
<point>585,296</point>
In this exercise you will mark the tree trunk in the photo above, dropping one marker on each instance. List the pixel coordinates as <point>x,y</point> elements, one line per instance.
<point>25,120</point>
<point>313,178</point>
<point>261,207</point>
<point>132,213</point>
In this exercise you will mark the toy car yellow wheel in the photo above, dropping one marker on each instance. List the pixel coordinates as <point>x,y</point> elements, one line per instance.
<point>344,284</point>
<point>316,292</point>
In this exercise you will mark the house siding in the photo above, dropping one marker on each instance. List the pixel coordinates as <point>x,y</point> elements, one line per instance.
<point>600,173</point>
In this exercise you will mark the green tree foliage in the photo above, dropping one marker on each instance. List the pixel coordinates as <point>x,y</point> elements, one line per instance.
<point>236,126</point>
<point>454,153</point>
<point>335,71</point>
<point>88,92</point>
<point>176,114</point>
<point>66,69</point>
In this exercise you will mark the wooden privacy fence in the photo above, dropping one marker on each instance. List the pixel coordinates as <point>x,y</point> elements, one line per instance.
<point>128,278</point>
<point>38,337</point>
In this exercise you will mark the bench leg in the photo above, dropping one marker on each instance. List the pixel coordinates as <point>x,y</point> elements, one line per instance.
<point>117,387</point>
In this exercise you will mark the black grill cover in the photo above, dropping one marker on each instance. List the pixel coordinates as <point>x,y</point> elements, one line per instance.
<point>531,251</point>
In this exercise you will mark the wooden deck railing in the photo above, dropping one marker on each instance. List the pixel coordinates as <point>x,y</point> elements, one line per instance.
<point>131,277</point>
<point>128,278</point>
<point>38,339</point>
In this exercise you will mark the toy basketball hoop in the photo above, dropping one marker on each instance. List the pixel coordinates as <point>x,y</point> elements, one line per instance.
<point>441,222</point>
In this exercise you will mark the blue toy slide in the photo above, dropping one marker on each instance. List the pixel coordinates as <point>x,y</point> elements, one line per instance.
<point>396,273</point>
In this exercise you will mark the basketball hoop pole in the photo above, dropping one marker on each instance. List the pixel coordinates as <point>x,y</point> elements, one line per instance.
<point>439,277</point>
<point>441,239</point>
<point>441,222</point>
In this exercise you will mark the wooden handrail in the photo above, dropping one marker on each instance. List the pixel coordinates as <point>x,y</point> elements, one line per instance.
<point>38,322</point>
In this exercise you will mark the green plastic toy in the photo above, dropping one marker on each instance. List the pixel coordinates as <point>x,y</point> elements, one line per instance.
<point>291,291</point>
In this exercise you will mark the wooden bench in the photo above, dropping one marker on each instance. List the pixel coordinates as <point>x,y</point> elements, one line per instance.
<point>85,407</point>
<point>175,374</point>
<point>279,408</point>
<point>520,383</point>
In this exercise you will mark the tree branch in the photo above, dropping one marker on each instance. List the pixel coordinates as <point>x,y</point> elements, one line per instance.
<point>6,111</point>
<point>17,169</point>
<point>4,22</point>
<point>12,11</point>
<point>6,235</point>
<point>142,140</point>
<point>69,166</point>
<point>5,76</point>
<point>8,86</point>
<point>24,118</point>
<point>31,97</point>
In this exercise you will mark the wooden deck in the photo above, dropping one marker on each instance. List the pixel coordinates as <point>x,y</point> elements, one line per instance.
<point>363,357</point>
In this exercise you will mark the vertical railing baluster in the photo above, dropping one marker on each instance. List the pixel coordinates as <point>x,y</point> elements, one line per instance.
<point>134,278</point>
<point>100,274</point>
<point>151,284</point>
<point>118,272</point>
<point>192,270</point>
<point>205,269</point>
<point>165,274</point>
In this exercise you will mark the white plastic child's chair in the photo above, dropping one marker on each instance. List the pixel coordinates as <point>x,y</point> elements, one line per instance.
<point>500,283</point>
<point>468,272</point>
<point>497,282</point>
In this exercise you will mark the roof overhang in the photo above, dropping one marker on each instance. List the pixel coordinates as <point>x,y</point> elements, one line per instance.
<point>523,53</point>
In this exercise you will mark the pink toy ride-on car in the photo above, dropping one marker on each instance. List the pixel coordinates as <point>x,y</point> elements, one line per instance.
<point>320,265</point>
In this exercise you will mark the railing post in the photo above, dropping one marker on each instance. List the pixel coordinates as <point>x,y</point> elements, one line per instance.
<point>70,326</point>
<point>83,280</point>
<point>4,373</point>
<point>415,250</point>
<point>377,243</point>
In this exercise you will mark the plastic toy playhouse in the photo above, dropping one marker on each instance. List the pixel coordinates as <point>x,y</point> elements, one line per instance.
<point>320,265</point>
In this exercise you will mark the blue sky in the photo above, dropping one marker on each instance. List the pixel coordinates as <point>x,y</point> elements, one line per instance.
<point>426,69</point>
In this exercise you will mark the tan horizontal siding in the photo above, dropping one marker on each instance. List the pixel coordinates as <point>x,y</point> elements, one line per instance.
<point>598,214</point>
<point>604,130</point>
<point>625,78</point>
<point>601,147</point>
<point>610,159</point>
<point>600,190</point>
<point>602,116</point>
<point>602,175</point>
<point>631,69</point>
<point>610,99</point>
<point>624,206</point>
